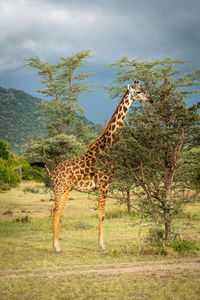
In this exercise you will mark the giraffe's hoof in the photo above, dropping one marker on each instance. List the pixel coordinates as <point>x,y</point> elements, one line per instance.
<point>59,252</point>
<point>102,248</point>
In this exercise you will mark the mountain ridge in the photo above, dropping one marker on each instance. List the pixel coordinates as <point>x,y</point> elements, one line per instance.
<point>19,118</point>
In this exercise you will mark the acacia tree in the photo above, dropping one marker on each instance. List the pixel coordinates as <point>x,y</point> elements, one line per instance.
<point>156,136</point>
<point>63,85</point>
<point>52,150</point>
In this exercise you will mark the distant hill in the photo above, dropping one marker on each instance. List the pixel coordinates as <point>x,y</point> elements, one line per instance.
<point>19,118</point>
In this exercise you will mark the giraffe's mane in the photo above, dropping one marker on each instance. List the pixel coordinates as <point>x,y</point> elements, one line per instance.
<point>106,129</point>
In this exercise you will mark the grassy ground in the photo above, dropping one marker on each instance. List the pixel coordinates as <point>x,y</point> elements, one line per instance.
<point>29,268</point>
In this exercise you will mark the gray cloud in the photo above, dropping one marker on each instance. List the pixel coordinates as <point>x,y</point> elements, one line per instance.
<point>55,28</point>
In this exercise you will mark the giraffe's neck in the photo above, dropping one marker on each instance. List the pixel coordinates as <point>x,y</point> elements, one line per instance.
<point>108,137</point>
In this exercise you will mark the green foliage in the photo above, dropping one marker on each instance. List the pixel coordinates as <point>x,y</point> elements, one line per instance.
<point>83,132</point>
<point>63,85</point>
<point>156,136</point>
<point>12,168</point>
<point>191,164</point>
<point>152,73</point>
<point>8,177</point>
<point>183,246</point>
<point>156,243</point>
<point>155,235</point>
<point>52,150</point>
<point>4,153</point>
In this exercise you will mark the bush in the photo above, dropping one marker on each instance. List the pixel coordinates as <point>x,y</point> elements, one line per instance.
<point>8,177</point>
<point>31,190</point>
<point>4,153</point>
<point>14,168</point>
<point>25,219</point>
<point>156,244</point>
<point>182,246</point>
<point>155,236</point>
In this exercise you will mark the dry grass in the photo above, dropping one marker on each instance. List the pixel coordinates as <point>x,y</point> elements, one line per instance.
<point>26,245</point>
<point>19,200</point>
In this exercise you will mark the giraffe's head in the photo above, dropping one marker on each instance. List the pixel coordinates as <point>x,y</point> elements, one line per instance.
<point>138,93</point>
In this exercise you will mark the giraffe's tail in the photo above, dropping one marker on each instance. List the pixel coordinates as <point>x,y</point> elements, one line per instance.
<point>41,165</point>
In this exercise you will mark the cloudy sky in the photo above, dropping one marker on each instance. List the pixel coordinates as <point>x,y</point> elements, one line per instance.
<point>55,28</point>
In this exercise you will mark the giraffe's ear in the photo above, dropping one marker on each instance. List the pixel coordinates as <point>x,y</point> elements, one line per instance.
<point>129,87</point>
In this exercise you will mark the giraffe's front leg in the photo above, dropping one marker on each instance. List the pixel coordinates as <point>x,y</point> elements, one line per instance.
<point>103,189</point>
<point>60,200</point>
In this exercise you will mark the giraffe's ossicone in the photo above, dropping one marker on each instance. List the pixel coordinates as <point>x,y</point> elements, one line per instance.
<point>79,173</point>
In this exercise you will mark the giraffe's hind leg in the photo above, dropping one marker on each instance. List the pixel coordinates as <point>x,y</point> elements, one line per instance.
<point>103,189</point>
<point>60,200</point>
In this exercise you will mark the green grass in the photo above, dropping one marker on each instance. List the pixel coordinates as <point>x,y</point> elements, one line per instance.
<point>26,249</point>
<point>142,286</point>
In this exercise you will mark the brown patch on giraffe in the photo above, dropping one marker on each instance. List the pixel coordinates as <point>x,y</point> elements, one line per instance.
<point>113,127</point>
<point>82,171</point>
<point>120,123</point>
<point>88,163</point>
<point>125,109</point>
<point>119,116</point>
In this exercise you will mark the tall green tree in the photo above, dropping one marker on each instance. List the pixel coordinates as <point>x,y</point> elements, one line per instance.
<point>157,136</point>
<point>63,83</point>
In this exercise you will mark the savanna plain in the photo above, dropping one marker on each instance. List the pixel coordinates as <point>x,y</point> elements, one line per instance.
<point>131,267</point>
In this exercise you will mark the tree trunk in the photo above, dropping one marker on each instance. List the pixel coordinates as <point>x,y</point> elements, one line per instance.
<point>68,128</point>
<point>128,200</point>
<point>167,217</point>
<point>167,221</point>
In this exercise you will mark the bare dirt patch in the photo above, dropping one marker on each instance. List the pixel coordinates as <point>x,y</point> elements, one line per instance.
<point>146,268</point>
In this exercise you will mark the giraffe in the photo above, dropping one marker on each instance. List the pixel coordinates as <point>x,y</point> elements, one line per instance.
<point>79,173</point>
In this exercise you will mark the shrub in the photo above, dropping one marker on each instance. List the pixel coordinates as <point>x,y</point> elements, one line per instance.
<point>25,219</point>
<point>155,235</point>
<point>31,190</point>
<point>4,153</point>
<point>182,245</point>
<point>8,177</point>
<point>154,243</point>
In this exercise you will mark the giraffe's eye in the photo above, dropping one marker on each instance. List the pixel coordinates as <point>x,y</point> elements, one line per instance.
<point>138,92</point>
